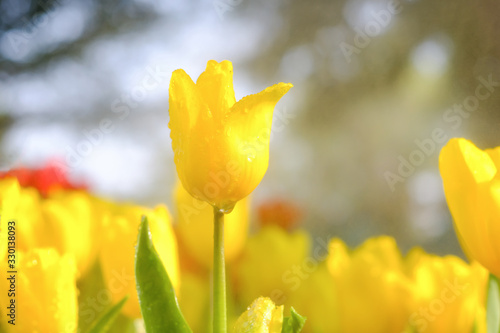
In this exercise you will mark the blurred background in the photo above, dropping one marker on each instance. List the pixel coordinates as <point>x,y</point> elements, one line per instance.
<point>380,86</point>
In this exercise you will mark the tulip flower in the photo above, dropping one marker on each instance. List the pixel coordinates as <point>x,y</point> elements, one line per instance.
<point>448,294</point>
<point>471,180</point>
<point>221,149</point>
<point>45,293</point>
<point>73,222</point>
<point>371,288</point>
<point>67,220</point>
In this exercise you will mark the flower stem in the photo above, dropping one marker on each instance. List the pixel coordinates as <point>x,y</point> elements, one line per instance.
<point>219,274</point>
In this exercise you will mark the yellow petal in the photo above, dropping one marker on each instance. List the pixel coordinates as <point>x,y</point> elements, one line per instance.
<point>463,164</point>
<point>448,294</point>
<point>192,127</point>
<point>118,251</point>
<point>263,316</point>
<point>268,263</point>
<point>215,85</point>
<point>46,293</point>
<point>73,224</point>
<point>194,300</point>
<point>195,227</point>
<point>467,174</point>
<point>248,132</point>
<point>369,283</point>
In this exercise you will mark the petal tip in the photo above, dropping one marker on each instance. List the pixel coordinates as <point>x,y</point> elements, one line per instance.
<point>225,66</point>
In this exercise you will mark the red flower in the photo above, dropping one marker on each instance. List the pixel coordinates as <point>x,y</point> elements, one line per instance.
<point>45,180</point>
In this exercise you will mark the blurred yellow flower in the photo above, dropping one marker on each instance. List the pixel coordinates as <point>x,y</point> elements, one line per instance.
<point>194,301</point>
<point>221,147</point>
<point>24,206</point>
<point>370,287</point>
<point>66,220</point>
<point>448,294</point>
<point>118,251</point>
<point>45,293</point>
<point>374,289</point>
<point>472,188</point>
<point>263,316</point>
<point>273,264</point>
<point>73,221</point>
<point>317,299</point>
<point>195,227</point>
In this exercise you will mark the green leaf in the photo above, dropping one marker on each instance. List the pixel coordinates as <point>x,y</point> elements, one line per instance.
<point>294,323</point>
<point>157,299</point>
<point>493,305</point>
<point>105,322</point>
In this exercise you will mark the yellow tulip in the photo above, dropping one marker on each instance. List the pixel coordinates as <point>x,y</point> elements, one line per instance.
<point>67,220</point>
<point>448,294</point>
<point>23,205</point>
<point>73,220</point>
<point>318,300</point>
<point>45,293</point>
<point>195,226</point>
<point>221,147</point>
<point>374,289</point>
<point>371,289</point>
<point>118,251</point>
<point>273,264</point>
<point>472,187</point>
<point>263,316</point>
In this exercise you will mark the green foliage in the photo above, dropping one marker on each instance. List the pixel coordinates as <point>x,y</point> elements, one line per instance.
<point>493,305</point>
<point>294,323</point>
<point>157,299</point>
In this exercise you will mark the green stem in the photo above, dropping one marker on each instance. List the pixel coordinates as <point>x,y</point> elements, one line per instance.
<point>220,325</point>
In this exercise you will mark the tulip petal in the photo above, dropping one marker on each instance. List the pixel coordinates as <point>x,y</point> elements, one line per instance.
<point>493,222</point>
<point>248,135</point>
<point>467,172</point>
<point>215,85</point>
<point>462,163</point>
<point>495,157</point>
<point>187,111</point>
<point>186,104</point>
